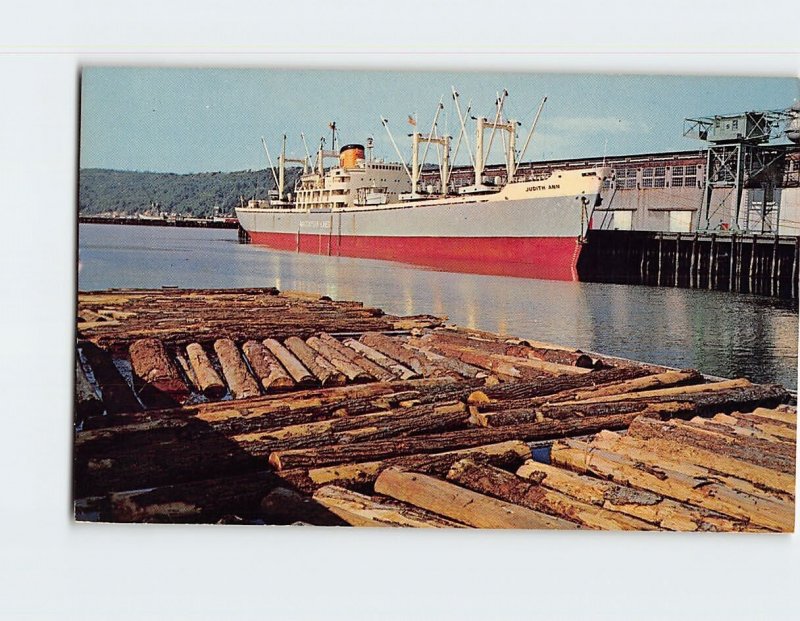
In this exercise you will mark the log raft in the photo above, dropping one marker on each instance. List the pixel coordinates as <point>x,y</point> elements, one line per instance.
<point>256,406</point>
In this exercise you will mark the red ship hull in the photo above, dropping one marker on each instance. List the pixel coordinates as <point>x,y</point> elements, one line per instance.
<point>552,258</point>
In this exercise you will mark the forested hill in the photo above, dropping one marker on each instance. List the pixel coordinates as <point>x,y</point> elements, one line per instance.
<point>103,191</point>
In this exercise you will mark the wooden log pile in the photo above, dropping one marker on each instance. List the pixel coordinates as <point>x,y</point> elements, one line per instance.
<point>115,318</point>
<point>432,426</point>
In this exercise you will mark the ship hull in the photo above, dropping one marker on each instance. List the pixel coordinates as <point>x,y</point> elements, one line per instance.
<point>551,258</point>
<point>528,230</point>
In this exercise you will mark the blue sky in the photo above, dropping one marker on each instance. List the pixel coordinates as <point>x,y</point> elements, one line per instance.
<point>193,120</point>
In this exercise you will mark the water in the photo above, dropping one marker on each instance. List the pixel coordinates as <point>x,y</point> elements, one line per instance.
<point>724,334</point>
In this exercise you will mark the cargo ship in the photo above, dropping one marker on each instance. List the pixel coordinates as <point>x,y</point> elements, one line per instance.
<point>527,226</point>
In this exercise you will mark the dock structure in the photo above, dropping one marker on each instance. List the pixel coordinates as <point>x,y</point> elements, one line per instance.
<point>256,406</point>
<point>764,264</point>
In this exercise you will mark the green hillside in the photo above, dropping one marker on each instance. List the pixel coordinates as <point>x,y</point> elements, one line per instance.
<point>103,191</point>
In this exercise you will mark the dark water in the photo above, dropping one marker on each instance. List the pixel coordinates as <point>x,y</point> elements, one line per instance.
<point>730,335</point>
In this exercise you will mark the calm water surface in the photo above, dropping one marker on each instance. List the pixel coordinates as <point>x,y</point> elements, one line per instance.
<point>729,335</point>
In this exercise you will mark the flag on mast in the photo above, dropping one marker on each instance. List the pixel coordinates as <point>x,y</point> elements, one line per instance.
<point>412,120</point>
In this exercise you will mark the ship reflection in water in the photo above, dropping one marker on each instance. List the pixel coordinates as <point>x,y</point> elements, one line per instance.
<point>720,333</point>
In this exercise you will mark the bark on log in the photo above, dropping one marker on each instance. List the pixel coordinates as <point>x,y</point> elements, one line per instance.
<point>241,383</point>
<point>323,370</point>
<point>86,401</point>
<point>698,462</point>
<point>205,501</point>
<point>745,436</point>
<point>662,512</point>
<point>267,368</point>
<point>508,487</point>
<point>766,429</point>
<point>461,505</point>
<point>789,417</point>
<point>384,361</point>
<point>376,450</point>
<point>453,364</point>
<point>162,384</point>
<point>302,376</point>
<point>360,510</point>
<point>509,347</point>
<point>367,427</point>
<point>582,457</point>
<point>670,392</point>
<point>371,368</point>
<point>361,476</point>
<point>353,372</point>
<point>752,451</point>
<point>285,506</point>
<point>504,418</point>
<point>116,392</point>
<point>552,385</point>
<point>208,380</point>
<point>395,350</point>
<point>518,368</point>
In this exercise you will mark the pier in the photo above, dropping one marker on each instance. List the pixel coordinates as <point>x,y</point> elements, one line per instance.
<point>205,223</point>
<point>265,407</point>
<point>727,261</point>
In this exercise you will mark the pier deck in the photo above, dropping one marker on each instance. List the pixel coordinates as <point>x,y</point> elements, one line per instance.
<point>257,406</point>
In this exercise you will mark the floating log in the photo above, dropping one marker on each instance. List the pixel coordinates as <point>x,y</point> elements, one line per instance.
<point>639,384</point>
<point>672,391</point>
<point>360,510</point>
<point>508,455</point>
<point>757,452</point>
<point>267,368</point>
<point>205,501</point>
<point>323,370</point>
<point>379,358</point>
<point>453,364</point>
<point>597,389</point>
<point>746,436</point>
<point>509,347</point>
<point>699,462</point>
<point>459,504</point>
<point>286,506</point>
<point>116,392</point>
<point>380,425</point>
<point>382,449</point>
<point>207,378</point>
<point>521,416</point>
<point>302,376</point>
<point>551,385</point>
<point>663,512</point>
<point>508,487</point>
<point>241,383</point>
<point>395,350</point>
<point>703,492</point>
<point>179,317</point>
<point>785,416</point>
<point>766,429</point>
<point>352,371</point>
<point>161,383</point>
<point>153,366</point>
<point>354,357</point>
<point>86,401</point>
<point>183,365</point>
<point>510,366</point>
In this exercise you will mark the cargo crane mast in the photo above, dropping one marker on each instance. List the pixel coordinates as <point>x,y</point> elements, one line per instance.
<point>428,139</point>
<point>739,156</point>
<point>482,124</point>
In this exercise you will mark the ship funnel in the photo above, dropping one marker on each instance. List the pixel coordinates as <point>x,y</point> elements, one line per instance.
<point>350,154</point>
